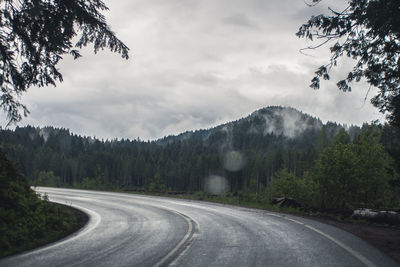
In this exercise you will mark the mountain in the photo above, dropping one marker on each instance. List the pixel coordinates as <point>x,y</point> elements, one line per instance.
<point>245,150</point>
<point>275,120</point>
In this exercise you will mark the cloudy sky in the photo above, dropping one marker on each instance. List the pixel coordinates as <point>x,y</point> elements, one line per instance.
<point>194,64</point>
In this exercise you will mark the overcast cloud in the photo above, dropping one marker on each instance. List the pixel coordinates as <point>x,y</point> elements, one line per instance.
<point>194,64</point>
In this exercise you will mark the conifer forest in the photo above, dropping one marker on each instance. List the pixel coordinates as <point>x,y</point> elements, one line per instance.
<point>274,152</point>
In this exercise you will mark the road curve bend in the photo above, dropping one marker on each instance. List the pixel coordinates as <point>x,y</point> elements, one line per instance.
<point>137,230</point>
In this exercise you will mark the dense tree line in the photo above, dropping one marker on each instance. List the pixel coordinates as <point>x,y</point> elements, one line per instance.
<point>57,157</point>
<point>346,175</point>
<point>247,153</point>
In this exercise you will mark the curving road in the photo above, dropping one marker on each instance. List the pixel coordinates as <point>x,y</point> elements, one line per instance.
<point>136,230</point>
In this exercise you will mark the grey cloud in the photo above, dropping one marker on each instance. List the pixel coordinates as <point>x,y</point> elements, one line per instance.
<point>241,20</point>
<point>194,64</point>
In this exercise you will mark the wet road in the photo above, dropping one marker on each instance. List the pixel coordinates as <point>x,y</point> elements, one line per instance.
<point>135,230</point>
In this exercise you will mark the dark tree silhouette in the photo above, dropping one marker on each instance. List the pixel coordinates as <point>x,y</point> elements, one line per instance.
<point>369,32</point>
<point>34,36</point>
<point>394,108</point>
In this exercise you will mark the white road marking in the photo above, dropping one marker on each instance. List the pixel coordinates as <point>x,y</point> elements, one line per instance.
<point>187,241</point>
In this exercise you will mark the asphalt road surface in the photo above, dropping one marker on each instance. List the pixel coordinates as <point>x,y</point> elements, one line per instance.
<point>136,230</point>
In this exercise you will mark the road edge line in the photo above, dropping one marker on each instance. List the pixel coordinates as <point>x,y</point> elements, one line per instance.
<point>337,242</point>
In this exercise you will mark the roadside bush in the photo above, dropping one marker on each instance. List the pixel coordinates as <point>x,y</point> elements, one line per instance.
<point>27,221</point>
<point>351,175</point>
<point>286,184</point>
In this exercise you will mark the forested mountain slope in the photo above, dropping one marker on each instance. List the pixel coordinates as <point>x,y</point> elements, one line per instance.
<point>259,145</point>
